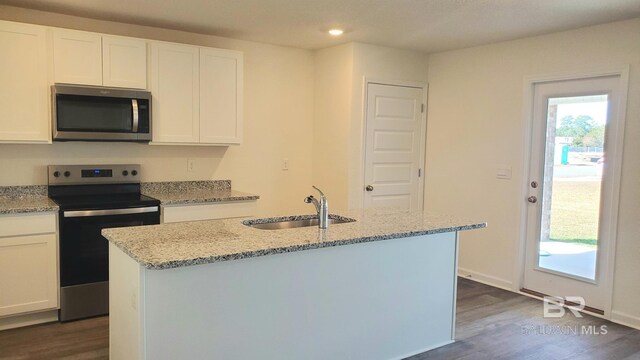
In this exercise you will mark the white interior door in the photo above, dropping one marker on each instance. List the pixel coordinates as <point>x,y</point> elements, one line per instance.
<point>575,149</point>
<point>394,147</point>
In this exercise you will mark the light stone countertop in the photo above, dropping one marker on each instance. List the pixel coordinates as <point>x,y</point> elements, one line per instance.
<point>201,242</point>
<point>33,198</point>
<point>199,196</point>
<point>26,204</point>
<point>25,199</point>
<point>194,192</point>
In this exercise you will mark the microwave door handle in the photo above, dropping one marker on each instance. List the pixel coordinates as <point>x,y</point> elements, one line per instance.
<point>134,107</point>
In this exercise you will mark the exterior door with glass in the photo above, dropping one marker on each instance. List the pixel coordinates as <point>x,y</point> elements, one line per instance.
<point>572,188</point>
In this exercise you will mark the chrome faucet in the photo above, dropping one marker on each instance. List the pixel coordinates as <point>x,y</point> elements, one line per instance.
<point>322,207</point>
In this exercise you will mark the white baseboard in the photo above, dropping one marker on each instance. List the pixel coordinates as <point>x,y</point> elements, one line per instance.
<point>625,319</point>
<point>485,279</point>
<point>616,316</point>
<point>12,322</point>
<point>426,349</point>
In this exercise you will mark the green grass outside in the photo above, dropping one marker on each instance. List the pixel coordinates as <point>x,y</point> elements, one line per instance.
<point>575,207</point>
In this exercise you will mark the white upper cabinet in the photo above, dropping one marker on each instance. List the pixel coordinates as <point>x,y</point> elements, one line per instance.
<point>93,59</point>
<point>174,84</point>
<point>197,92</point>
<point>77,57</point>
<point>220,96</point>
<point>197,95</point>
<point>124,62</point>
<point>24,88</point>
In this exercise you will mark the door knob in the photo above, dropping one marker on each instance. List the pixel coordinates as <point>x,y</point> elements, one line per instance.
<point>532,199</point>
<point>369,188</point>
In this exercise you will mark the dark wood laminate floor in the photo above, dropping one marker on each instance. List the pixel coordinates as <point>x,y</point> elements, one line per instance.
<point>496,324</point>
<point>78,340</point>
<point>491,324</point>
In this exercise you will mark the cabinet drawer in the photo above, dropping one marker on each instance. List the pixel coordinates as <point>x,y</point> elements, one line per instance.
<point>26,224</point>
<point>208,211</point>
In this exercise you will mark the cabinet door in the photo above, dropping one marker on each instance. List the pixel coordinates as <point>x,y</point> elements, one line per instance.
<point>77,57</point>
<point>28,274</point>
<point>24,89</point>
<point>124,62</point>
<point>197,212</point>
<point>220,96</point>
<point>174,88</point>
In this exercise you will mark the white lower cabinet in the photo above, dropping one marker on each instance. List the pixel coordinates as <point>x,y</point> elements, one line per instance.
<point>196,212</point>
<point>28,263</point>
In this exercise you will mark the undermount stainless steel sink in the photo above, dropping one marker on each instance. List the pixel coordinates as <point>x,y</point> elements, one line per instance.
<point>284,223</point>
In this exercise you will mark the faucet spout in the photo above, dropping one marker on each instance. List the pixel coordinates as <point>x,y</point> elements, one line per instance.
<point>322,208</point>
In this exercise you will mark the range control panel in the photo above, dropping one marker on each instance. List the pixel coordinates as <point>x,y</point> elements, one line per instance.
<point>93,174</point>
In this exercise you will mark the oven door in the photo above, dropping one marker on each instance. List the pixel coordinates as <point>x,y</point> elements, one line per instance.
<point>84,257</point>
<point>84,253</point>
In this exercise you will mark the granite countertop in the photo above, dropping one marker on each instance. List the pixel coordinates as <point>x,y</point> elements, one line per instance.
<point>25,199</point>
<point>33,198</point>
<point>194,192</point>
<point>191,243</point>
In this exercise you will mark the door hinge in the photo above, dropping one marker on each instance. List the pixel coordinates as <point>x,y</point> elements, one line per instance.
<point>421,108</point>
<point>419,172</point>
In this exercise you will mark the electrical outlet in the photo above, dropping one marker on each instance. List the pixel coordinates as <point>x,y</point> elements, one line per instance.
<point>191,165</point>
<point>285,164</point>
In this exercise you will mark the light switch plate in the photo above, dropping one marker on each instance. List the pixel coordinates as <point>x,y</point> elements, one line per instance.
<point>503,172</point>
<point>285,164</point>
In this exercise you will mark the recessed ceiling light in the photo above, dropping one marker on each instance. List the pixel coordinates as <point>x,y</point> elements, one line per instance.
<point>336,32</point>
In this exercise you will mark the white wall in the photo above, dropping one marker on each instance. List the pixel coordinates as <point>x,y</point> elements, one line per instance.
<point>475,123</point>
<point>339,122</point>
<point>332,122</point>
<point>278,120</point>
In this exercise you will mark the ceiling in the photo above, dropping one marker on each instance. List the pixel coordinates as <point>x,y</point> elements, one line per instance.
<point>423,25</point>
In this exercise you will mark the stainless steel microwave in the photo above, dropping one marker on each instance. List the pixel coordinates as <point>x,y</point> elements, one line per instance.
<point>93,113</point>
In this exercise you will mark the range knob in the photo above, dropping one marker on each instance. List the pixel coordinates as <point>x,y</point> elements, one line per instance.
<point>134,172</point>
<point>125,173</point>
<point>56,173</point>
<point>67,174</point>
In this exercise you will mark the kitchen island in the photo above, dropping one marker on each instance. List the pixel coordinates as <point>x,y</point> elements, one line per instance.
<point>380,287</point>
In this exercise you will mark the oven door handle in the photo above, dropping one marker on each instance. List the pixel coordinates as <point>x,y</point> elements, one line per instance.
<point>86,213</point>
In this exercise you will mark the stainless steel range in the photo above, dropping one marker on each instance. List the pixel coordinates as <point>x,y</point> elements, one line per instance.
<point>92,198</point>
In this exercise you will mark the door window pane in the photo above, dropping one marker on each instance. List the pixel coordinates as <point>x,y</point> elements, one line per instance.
<point>574,159</point>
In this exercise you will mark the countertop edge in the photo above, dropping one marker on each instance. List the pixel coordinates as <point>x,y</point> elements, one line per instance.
<point>295,248</point>
<point>207,200</point>
<point>29,210</point>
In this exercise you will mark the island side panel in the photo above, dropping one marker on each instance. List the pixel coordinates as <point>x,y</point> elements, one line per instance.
<point>378,300</point>
<point>125,303</point>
